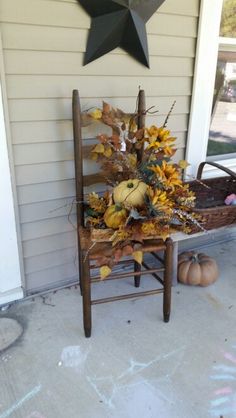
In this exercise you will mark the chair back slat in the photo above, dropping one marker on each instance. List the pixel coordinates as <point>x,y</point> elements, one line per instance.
<point>141,119</point>
<point>76,112</point>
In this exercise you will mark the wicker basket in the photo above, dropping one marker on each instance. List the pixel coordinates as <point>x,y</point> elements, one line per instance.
<point>210,197</point>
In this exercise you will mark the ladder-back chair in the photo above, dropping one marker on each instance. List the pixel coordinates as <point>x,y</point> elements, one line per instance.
<point>88,254</point>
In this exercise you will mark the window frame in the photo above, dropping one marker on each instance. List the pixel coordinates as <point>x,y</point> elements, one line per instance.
<point>203,89</point>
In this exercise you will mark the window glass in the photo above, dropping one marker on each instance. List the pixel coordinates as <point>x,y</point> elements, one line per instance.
<point>222,135</point>
<point>228,19</point>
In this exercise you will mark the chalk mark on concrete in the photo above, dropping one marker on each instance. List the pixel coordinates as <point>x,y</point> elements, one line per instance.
<point>19,403</point>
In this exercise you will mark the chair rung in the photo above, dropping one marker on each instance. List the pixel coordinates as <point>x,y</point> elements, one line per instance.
<point>128,274</point>
<point>93,266</point>
<point>128,296</point>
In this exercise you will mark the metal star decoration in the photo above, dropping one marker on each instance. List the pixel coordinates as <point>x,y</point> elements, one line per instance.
<point>119,23</point>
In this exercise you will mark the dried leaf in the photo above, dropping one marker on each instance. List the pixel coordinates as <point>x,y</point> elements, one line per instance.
<point>96,114</point>
<point>183,164</point>
<point>127,250</point>
<point>138,256</point>
<point>106,107</point>
<point>108,152</point>
<point>94,156</point>
<point>101,261</point>
<point>102,138</point>
<point>104,272</point>
<point>139,134</point>
<point>118,254</point>
<point>99,148</point>
<point>135,214</point>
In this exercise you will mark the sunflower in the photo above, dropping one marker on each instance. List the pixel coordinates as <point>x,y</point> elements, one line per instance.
<point>168,175</point>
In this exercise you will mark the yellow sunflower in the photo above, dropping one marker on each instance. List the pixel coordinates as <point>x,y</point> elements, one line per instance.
<point>168,175</point>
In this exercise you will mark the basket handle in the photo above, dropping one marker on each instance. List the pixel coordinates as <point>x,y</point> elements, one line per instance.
<point>221,167</point>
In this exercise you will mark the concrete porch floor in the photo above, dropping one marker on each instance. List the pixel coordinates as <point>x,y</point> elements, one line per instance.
<point>134,365</point>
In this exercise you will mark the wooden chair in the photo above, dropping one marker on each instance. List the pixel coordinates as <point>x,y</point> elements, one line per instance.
<point>87,254</point>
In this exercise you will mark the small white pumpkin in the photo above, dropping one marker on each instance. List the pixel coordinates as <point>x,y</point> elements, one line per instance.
<point>131,191</point>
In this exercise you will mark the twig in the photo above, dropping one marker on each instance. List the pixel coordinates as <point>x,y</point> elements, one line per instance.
<point>69,214</point>
<point>169,113</point>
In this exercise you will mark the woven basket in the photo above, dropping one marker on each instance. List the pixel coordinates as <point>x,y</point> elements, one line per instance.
<point>210,197</point>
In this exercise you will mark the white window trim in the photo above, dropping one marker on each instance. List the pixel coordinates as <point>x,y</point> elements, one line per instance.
<point>10,254</point>
<point>203,85</point>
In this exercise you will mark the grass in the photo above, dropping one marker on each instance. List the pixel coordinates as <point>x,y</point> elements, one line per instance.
<point>218,148</point>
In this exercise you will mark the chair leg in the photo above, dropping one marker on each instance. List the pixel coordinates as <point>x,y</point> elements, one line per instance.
<point>80,271</point>
<point>167,279</point>
<point>137,268</point>
<point>86,294</point>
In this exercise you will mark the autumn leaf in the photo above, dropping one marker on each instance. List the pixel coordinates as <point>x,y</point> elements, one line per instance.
<point>108,152</point>
<point>102,138</point>
<point>183,164</point>
<point>138,256</point>
<point>99,148</point>
<point>101,261</point>
<point>139,134</point>
<point>104,272</point>
<point>118,254</point>
<point>94,156</point>
<point>106,107</point>
<point>127,250</point>
<point>96,114</point>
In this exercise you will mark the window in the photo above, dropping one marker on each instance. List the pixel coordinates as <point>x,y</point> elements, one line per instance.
<point>222,135</point>
<point>206,95</point>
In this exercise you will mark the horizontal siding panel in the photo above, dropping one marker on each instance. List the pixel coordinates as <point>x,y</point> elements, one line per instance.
<point>174,25</point>
<point>49,260</point>
<point>33,230</point>
<point>45,191</point>
<point>171,6</point>
<point>41,38</point>
<point>60,109</point>
<point>56,171</point>
<point>48,244</point>
<point>46,210</point>
<point>42,131</point>
<point>41,173</point>
<point>50,131</point>
<point>53,171</point>
<point>71,15</point>
<point>29,86</point>
<point>60,63</point>
<point>45,152</point>
<point>185,7</point>
<point>44,13</point>
<point>56,276</point>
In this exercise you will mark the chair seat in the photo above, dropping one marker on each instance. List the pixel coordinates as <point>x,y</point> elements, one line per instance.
<point>98,249</point>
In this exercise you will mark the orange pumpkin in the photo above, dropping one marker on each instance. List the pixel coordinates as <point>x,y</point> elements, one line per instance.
<point>197,269</point>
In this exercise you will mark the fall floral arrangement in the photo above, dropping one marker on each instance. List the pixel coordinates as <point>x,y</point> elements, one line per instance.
<point>147,197</point>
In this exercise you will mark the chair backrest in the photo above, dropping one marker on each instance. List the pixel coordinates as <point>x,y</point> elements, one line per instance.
<point>82,180</point>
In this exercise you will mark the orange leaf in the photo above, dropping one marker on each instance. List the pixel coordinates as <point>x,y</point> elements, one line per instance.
<point>127,250</point>
<point>106,107</point>
<point>118,255</point>
<point>139,134</point>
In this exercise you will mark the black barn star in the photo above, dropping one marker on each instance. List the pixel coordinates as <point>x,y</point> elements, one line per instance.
<point>119,23</point>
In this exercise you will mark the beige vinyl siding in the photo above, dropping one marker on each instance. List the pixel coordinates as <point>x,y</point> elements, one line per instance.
<point>43,45</point>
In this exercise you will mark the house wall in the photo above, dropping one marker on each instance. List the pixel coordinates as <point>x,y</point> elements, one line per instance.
<point>43,47</point>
